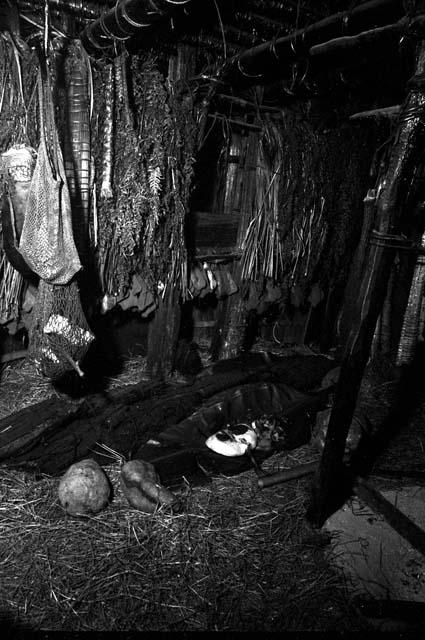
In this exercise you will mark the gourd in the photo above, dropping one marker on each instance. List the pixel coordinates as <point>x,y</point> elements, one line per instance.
<point>141,486</point>
<point>84,488</point>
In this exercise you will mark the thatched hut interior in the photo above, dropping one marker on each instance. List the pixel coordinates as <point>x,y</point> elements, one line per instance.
<point>211,310</point>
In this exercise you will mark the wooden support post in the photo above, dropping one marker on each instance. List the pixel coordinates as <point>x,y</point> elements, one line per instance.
<point>163,335</point>
<point>332,484</point>
<point>164,329</point>
<point>228,339</point>
<point>234,323</point>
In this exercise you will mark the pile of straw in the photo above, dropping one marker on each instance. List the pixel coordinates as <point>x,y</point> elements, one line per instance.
<point>22,386</point>
<point>234,558</point>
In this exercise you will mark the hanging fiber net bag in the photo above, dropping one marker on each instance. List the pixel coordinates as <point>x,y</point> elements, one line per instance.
<point>47,242</point>
<point>60,335</point>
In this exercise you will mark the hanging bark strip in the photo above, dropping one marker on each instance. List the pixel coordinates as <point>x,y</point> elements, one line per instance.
<point>332,484</point>
<point>79,152</point>
<point>108,130</point>
<point>412,319</point>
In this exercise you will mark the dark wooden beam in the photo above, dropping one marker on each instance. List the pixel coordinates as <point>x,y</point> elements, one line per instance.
<point>408,529</point>
<point>260,23</point>
<point>332,483</point>
<point>263,62</point>
<point>82,10</point>
<point>247,105</point>
<point>124,20</point>
<point>382,112</point>
<point>279,8</point>
<point>338,48</point>
<point>241,124</point>
<point>345,49</point>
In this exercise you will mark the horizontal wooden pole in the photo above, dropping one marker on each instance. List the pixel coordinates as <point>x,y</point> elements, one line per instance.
<point>262,62</point>
<point>13,355</point>
<point>410,611</point>
<point>126,19</point>
<point>408,529</point>
<point>287,474</point>
<point>383,112</point>
<point>246,104</point>
<point>238,123</point>
<point>344,44</point>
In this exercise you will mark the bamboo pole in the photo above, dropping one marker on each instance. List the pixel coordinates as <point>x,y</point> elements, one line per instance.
<point>125,19</point>
<point>288,474</point>
<point>258,64</point>
<point>332,485</point>
<point>410,333</point>
<point>339,47</point>
<point>383,112</point>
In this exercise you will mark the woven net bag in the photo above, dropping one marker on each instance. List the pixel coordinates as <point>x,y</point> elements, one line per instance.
<point>47,242</point>
<point>60,335</point>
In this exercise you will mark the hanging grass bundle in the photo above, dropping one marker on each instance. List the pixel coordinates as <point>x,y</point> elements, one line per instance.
<point>303,224</point>
<point>141,226</point>
<point>18,75</point>
<point>18,70</point>
<point>262,248</point>
<point>286,235</point>
<point>12,287</point>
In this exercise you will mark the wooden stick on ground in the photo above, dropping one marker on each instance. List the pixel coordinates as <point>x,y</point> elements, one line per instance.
<point>408,529</point>
<point>288,474</point>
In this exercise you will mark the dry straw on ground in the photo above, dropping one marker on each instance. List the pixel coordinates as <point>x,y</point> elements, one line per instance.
<point>234,558</point>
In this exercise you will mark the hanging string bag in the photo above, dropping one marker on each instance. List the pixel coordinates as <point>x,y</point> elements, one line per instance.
<point>47,243</point>
<point>59,335</point>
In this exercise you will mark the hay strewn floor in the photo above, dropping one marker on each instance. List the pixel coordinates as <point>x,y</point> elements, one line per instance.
<point>235,558</point>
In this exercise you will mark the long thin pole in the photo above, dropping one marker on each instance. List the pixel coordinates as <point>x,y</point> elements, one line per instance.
<point>332,483</point>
